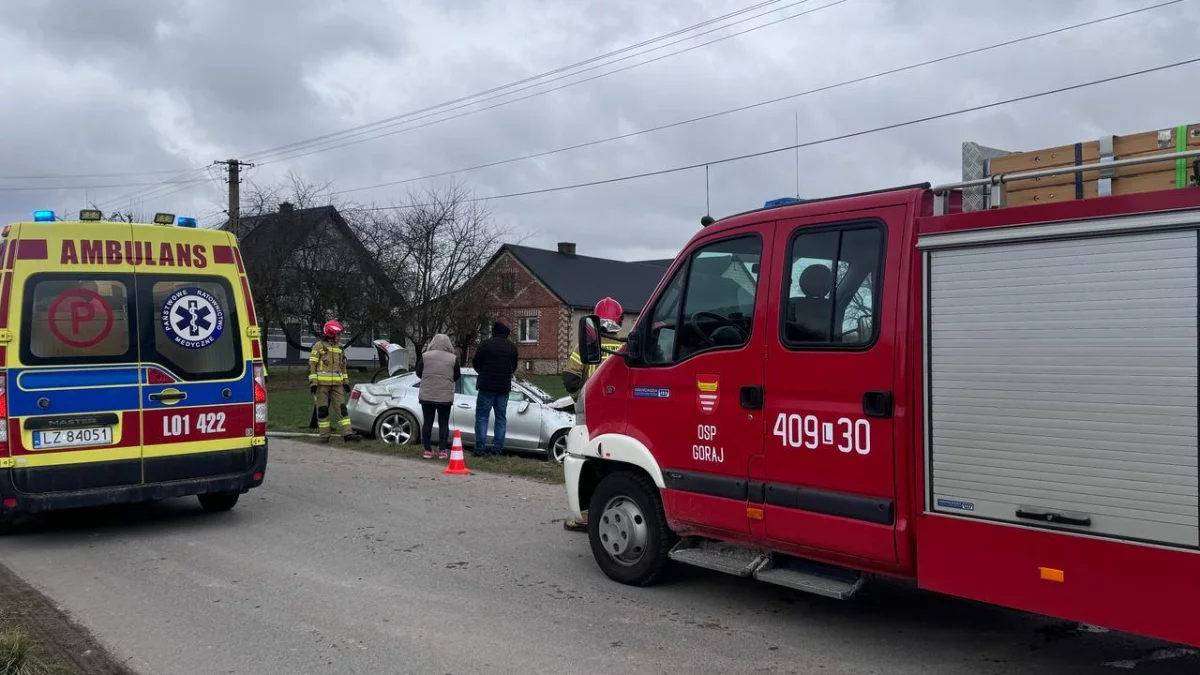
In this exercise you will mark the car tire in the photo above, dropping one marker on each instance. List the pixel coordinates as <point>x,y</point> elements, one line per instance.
<point>390,426</point>
<point>218,501</point>
<point>556,450</point>
<point>628,529</point>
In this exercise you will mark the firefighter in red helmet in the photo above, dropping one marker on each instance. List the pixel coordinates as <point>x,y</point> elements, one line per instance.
<point>329,382</point>
<point>576,374</point>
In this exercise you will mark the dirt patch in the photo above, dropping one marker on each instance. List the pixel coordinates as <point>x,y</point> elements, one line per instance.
<point>60,646</point>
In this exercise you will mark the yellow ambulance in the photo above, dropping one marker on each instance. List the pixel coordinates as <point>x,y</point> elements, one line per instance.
<point>130,365</point>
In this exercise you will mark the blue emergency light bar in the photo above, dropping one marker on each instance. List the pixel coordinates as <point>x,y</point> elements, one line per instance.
<point>44,217</point>
<point>781,201</point>
<point>184,221</point>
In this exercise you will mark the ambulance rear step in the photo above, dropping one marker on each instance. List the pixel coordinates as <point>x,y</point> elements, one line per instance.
<point>774,568</point>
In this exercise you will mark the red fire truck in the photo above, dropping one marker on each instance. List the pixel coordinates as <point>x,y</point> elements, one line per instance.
<point>998,404</point>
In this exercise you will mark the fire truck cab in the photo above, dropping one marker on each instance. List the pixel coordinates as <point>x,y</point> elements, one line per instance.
<point>1000,405</point>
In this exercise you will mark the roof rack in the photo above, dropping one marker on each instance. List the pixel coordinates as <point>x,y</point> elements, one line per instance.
<point>997,184</point>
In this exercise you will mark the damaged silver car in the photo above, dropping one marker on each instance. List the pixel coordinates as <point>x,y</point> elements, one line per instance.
<point>389,411</point>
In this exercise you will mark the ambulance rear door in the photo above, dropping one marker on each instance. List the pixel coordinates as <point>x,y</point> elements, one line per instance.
<point>197,387</point>
<point>73,365</point>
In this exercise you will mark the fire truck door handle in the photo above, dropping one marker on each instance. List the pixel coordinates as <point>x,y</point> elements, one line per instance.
<point>877,404</point>
<point>752,397</point>
<point>1061,517</point>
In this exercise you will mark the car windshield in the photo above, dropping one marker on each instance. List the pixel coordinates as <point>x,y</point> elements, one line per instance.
<point>535,390</point>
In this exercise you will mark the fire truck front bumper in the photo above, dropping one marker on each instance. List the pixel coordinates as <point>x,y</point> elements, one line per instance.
<point>573,469</point>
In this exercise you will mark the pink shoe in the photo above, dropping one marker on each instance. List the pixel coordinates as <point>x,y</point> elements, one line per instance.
<point>443,455</point>
<point>428,454</point>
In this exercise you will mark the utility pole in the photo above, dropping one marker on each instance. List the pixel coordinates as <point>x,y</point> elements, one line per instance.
<point>234,167</point>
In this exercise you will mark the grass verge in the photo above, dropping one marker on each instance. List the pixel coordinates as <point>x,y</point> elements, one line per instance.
<point>525,466</point>
<point>291,409</point>
<point>38,639</point>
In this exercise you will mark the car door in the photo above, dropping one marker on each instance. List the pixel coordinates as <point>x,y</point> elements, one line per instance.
<point>695,388</point>
<point>524,428</point>
<point>73,388</point>
<point>462,414</point>
<point>829,382</point>
<point>197,388</point>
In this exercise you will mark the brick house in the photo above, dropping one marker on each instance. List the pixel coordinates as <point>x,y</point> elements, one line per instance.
<point>541,294</point>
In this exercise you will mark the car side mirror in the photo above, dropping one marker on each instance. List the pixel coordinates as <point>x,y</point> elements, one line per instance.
<point>589,340</point>
<point>523,407</point>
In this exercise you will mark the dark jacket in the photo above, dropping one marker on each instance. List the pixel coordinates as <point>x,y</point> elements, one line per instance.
<point>496,361</point>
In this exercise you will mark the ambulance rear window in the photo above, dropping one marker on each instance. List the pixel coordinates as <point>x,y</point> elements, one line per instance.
<point>70,320</point>
<point>194,325</point>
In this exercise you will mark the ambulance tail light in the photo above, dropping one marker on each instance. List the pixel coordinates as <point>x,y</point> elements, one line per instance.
<point>260,401</point>
<point>4,413</point>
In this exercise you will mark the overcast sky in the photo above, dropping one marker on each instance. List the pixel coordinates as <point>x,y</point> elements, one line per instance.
<point>123,86</point>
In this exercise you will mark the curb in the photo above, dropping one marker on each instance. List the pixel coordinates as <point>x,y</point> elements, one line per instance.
<point>290,434</point>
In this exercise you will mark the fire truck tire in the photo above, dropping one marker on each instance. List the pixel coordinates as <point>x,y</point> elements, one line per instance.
<point>628,529</point>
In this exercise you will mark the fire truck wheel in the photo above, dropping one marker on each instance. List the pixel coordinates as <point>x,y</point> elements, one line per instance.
<point>628,529</point>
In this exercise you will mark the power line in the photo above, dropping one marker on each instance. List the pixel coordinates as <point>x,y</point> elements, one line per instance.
<point>118,174</point>
<point>809,144</point>
<point>730,111</point>
<point>345,141</point>
<point>308,142</point>
<point>516,83</point>
<point>51,188</point>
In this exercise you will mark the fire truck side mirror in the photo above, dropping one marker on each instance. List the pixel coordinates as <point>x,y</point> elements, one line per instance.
<point>589,339</point>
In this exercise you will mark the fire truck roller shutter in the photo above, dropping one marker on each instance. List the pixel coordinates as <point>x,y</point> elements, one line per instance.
<point>1061,380</point>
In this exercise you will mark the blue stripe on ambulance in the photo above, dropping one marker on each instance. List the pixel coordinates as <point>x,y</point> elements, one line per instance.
<point>208,393</point>
<point>60,378</point>
<point>74,398</point>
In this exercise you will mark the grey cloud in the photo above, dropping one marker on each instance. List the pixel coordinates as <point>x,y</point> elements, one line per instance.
<point>244,69</point>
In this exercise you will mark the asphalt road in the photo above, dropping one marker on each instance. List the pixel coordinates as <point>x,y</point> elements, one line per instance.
<point>354,563</point>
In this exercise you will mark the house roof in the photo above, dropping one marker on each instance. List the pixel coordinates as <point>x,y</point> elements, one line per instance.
<point>270,234</point>
<point>282,229</point>
<point>582,281</point>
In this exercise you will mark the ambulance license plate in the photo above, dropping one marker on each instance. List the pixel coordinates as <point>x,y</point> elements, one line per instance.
<point>66,438</point>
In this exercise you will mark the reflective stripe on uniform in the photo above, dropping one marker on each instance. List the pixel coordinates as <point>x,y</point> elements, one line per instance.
<point>344,422</point>
<point>323,424</point>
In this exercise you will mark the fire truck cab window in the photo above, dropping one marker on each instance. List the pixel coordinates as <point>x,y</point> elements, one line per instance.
<point>824,308</point>
<point>714,309</point>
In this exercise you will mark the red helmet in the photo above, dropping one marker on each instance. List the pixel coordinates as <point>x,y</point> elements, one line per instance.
<point>332,329</point>
<point>611,314</point>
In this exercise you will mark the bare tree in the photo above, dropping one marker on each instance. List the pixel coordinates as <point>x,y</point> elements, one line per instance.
<point>447,236</point>
<point>412,268</point>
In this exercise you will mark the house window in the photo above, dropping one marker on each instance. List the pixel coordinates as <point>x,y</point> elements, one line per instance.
<point>507,284</point>
<point>527,330</point>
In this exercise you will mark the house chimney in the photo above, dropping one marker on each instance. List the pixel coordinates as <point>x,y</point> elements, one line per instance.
<point>566,247</point>
<point>286,207</point>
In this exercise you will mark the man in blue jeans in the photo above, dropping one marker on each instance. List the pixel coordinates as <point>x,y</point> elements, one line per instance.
<point>495,362</point>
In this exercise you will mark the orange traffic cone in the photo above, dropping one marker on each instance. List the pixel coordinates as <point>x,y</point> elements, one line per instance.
<point>457,466</point>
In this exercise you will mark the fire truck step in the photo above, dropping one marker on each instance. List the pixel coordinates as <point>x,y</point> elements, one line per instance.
<point>812,577</point>
<point>717,556</point>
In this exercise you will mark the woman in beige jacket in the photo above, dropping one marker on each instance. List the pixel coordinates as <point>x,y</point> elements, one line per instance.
<point>438,371</point>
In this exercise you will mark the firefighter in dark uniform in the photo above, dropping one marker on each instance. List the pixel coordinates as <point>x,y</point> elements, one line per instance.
<point>575,373</point>
<point>329,383</point>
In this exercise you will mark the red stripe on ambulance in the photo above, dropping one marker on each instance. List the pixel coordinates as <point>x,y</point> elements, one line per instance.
<point>168,425</point>
<point>130,438</point>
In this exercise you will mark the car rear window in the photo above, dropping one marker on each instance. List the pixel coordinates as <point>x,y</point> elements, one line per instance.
<point>194,327</point>
<point>69,320</point>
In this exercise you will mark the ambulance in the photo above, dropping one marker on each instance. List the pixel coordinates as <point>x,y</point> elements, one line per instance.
<point>997,404</point>
<point>130,366</point>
